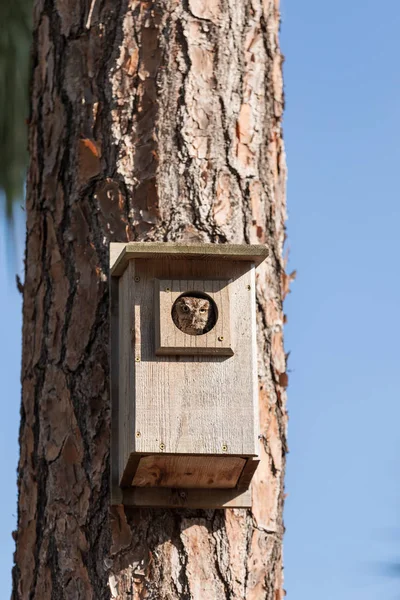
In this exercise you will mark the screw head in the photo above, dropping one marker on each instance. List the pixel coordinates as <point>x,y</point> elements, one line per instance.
<point>162,446</point>
<point>167,289</point>
<point>136,278</point>
<point>249,287</point>
<point>224,448</point>
<point>138,434</point>
<point>221,338</point>
<point>137,359</point>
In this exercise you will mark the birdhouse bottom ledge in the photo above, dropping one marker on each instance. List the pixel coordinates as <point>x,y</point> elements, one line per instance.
<point>186,480</point>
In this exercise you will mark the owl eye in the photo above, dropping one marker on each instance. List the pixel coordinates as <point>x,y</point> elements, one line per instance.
<point>202,310</point>
<point>185,308</point>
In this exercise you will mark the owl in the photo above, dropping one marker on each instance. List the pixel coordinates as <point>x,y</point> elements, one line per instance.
<point>193,315</point>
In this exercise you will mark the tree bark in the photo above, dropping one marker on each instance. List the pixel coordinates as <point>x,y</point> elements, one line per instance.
<point>150,120</point>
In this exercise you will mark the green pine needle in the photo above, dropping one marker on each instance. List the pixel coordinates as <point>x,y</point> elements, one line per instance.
<point>15,42</point>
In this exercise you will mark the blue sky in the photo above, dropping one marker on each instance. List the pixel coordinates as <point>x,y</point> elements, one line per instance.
<point>10,361</point>
<point>342,132</point>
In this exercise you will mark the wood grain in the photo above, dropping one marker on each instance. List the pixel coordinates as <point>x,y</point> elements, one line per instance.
<point>185,405</point>
<point>247,473</point>
<point>126,405</point>
<point>121,254</point>
<point>195,404</point>
<point>188,471</point>
<point>115,249</point>
<point>116,494</point>
<point>186,498</point>
<point>170,340</point>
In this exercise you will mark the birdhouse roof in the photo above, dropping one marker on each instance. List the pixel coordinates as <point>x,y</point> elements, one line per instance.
<point>121,253</point>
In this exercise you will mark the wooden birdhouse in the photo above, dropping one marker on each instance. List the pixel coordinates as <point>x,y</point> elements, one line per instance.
<point>183,374</point>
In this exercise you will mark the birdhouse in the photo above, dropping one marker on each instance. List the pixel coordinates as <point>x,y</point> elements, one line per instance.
<point>183,374</point>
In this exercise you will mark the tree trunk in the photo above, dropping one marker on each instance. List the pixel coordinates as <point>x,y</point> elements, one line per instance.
<point>157,120</point>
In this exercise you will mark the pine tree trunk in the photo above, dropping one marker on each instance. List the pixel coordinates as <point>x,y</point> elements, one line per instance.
<point>150,120</point>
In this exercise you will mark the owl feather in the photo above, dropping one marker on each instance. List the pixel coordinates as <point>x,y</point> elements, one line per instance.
<point>193,315</point>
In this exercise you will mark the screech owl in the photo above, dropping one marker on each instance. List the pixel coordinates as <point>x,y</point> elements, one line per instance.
<point>193,315</point>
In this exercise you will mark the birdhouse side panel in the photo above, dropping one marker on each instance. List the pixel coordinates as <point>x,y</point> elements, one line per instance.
<point>126,404</point>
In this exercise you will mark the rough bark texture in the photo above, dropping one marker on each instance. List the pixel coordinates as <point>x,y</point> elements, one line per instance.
<point>149,121</point>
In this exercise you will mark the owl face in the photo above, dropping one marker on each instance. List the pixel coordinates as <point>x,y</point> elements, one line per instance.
<point>193,315</point>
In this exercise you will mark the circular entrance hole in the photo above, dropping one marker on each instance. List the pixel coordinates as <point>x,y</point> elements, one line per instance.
<point>194,313</point>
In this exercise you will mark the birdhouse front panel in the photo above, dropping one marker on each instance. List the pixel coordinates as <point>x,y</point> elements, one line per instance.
<point>186,412</point>
<point>193,317</point>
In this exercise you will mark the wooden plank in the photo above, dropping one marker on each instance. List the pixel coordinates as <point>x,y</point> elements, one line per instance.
<point>120,256</point>
<point>254,374</point>
<point>123,369</point>
<point>170,340</point>
<point>186,498</point>
<point>196,404</point>
<point>188,471</point>
<point>247,473</point>
<point>116,493</point>
<point>126,367</point>
<point>130,469</point>
<point>115,250</point>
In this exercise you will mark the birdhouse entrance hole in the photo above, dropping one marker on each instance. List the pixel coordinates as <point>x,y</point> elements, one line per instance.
<point>194,313</point>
